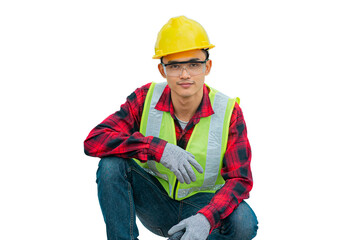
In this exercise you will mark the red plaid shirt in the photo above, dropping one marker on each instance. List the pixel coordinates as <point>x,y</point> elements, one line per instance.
<point>119,135</point>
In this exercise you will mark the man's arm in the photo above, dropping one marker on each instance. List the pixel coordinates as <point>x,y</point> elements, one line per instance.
<point>236,172</point>
<point>119,133</point>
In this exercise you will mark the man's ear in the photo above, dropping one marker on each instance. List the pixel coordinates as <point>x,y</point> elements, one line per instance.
<point>161,70</point>
<point>208,67</point>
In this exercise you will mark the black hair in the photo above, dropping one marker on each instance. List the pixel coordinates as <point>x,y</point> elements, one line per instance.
<point>205,50</point>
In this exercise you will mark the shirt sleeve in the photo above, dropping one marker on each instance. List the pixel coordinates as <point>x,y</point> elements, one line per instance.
<point>236,172</point>
<point>119,133</point>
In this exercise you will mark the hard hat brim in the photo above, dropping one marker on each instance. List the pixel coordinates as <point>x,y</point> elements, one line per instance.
<point>158,56</point>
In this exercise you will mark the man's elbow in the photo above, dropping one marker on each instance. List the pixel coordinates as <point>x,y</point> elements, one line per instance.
<point>88,149</point>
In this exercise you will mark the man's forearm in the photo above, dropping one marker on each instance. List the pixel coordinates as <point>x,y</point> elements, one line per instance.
<point>225,201</point>
<point>119,136</point>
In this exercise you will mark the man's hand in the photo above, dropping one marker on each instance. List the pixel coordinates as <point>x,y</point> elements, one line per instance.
<point>178,161</point>
<point>196,227</point>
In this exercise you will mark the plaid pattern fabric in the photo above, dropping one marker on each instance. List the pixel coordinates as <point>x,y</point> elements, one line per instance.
<point>119,135</point>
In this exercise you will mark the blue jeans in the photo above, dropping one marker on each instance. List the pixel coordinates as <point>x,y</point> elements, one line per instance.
<point>125,191</point>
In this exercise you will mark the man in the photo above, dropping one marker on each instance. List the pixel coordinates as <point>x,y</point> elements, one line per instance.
<point>176,154</point>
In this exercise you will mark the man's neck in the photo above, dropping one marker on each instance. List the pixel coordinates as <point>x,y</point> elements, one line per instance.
<point>185,108</point>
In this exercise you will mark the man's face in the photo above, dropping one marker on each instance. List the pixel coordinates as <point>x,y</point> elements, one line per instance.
<point>186,84</point>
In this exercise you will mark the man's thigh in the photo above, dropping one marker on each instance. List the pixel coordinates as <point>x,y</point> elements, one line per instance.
<point>191,205</point>
<point>154,208</point>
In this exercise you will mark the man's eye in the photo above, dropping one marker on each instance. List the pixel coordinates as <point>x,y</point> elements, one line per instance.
<point>194,65</point>
<point>174,66</point>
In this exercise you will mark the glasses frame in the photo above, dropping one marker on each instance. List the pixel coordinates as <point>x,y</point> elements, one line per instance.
<point>190,61</point>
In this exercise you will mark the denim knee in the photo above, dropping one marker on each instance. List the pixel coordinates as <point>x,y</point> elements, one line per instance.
<point>112,168</point>
<point>241,224</point>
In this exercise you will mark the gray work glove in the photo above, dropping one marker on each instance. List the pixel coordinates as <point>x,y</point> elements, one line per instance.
<point>196,227</point>
<point>178,161</point>
<point>177,235</point>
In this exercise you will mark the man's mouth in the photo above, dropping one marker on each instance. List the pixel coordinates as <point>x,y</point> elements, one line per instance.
<point>185,84</point>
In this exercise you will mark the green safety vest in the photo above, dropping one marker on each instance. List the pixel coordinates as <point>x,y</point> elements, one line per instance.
<point>207,143</point>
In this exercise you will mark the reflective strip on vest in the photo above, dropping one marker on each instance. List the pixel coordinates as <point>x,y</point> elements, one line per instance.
<point>153,126</point>
<point>184,192</point>
<point>155,116</point>
<point>215,136</point>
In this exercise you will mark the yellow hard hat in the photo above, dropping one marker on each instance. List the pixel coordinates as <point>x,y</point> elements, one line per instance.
<point>180,34</point>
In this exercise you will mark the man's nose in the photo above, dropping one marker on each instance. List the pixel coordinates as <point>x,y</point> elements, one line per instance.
<point>184,74</point>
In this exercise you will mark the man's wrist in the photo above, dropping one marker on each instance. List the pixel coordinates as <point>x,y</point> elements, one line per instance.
<point>205,220</point>
<point>156,148</point>
<point>210,213</point>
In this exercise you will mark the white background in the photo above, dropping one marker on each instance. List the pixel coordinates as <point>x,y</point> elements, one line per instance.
<point>66,65</point>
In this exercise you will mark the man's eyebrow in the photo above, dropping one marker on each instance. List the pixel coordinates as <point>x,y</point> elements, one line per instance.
<point>193,59</point>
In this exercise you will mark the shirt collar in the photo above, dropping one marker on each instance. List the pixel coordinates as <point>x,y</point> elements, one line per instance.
<point>204,110</point>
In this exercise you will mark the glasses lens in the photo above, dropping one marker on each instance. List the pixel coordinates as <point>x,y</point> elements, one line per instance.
<point>192,68</point>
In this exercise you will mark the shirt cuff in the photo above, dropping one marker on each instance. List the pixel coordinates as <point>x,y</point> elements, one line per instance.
<point>156,148</point>
<point>212,215</point>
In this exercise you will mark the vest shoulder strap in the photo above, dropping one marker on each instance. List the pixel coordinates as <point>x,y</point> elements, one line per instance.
<point>151,119</point>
